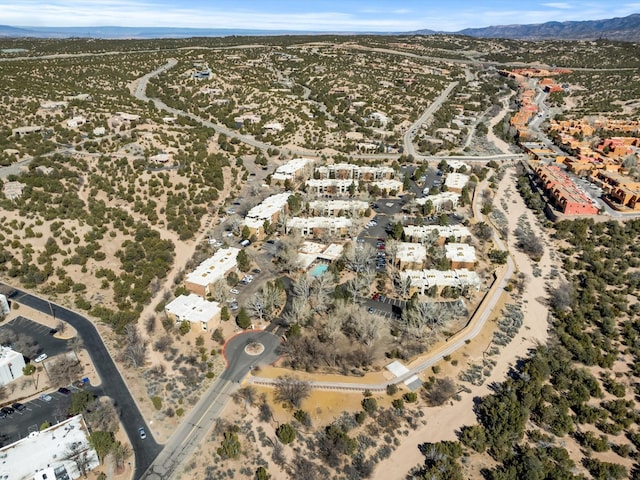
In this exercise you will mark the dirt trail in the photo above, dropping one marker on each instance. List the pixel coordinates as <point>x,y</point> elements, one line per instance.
<point>443,422</point>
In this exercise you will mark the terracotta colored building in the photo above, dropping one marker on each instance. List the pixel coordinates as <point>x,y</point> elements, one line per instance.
<point>565,195</point>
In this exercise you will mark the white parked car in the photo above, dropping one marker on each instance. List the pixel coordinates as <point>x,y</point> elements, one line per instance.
<point>41,357</point>
<point>235,291</point>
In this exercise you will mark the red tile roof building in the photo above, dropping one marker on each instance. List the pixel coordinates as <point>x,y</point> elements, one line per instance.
<point>565,194</point>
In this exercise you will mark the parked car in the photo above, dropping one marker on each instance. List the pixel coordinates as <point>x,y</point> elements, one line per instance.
<point>3,414</point>
<point>79,384</point>
<point>371,310</point>
<point>53,331</point>
<point>233,306</point>
<point>142,433</point>
<point>42,357</point>
<point>7,410</point>
<point>256,271</point>
<point>376,296</point>
<point>18,407</point>
<point>45,397</point>
<point>235,291</point>
<point>64,390</point>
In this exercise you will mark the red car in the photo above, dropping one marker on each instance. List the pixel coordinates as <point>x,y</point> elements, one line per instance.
<point>376,296</point>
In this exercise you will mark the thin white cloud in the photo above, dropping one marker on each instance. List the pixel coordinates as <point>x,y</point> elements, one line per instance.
<point>141,14</point>
<point>559,5</point>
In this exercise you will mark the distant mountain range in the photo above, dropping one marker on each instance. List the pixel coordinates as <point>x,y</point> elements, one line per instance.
<point>134,32</point>
<point>623,29</point>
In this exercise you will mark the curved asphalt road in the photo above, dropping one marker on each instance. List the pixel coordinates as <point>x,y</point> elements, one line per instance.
<point>112,383</point>
<point>194,429</point>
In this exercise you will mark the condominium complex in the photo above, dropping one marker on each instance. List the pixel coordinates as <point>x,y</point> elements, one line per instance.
<point>410,255</point>
<point>565,194</point>
<point>420,233</point>
<point>461,255</point>
<point>344,171</point>
<point>333,208</point>
<point>423,280</point>
<point>329,186</point>
<point>623,190</point>
<point>268,210</point>
<point>211,270</point>
<point>293,169</point>
<point>455,182</point>
<point>194,309</point>
<point>316,226</point>
<point>388,186</point>
<point>441,201</point>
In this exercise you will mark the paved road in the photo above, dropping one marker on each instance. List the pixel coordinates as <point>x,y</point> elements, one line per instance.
<point>409,147</point>
<point>140,87</point>
<point>196,426</point>
<point>140,93</point>
<point>113,384</point>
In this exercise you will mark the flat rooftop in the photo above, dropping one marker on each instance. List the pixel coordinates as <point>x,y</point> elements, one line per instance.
<point>193,308</point>
<point>215,267</point>
<point>42,455</point>
<point>266,209</point>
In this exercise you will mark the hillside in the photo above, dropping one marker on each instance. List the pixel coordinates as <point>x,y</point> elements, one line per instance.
<point>624,29</point>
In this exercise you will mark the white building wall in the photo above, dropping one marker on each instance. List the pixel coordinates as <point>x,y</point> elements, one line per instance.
<point>11,365</point>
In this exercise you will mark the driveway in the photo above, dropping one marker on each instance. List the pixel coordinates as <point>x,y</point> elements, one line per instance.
<point>113,384</point>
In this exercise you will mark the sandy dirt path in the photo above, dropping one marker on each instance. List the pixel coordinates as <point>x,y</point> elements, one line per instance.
<point>443,422</point>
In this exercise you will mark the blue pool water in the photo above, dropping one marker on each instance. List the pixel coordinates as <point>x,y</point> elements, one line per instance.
<point>319,269</point>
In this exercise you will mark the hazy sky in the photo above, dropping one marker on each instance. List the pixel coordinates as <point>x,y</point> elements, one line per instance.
<point>326,15</point>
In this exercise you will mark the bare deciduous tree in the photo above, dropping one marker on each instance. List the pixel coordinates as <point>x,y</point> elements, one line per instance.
<point>121,451</point>
<point>134,351</point>
<point>366,327</point>
<point>26,345</point>
<point>286,254</point>
<point>358,256</point>
<point>302,286</point>
<point>305,352</point>
<point>401,284</point>
<point>61,326</point>
<point>64,370</point>
<point>297,313</point>
<point>102,415</point>
<point>441,391</point>
<point>267,302</point>
<point>220,291</point>
<point>422,324</point>
<point>7,337</point>
<point>323,285</point>
<point>76,344</point>
<point>247,396</point>
<point>561,297</point>
<point>291,391</point>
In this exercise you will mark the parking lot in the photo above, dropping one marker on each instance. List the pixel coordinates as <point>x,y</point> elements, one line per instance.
<point>20,424</point>
<point>46,342</point>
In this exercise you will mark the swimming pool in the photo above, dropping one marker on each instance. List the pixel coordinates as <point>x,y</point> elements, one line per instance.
<point>319,269</point>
